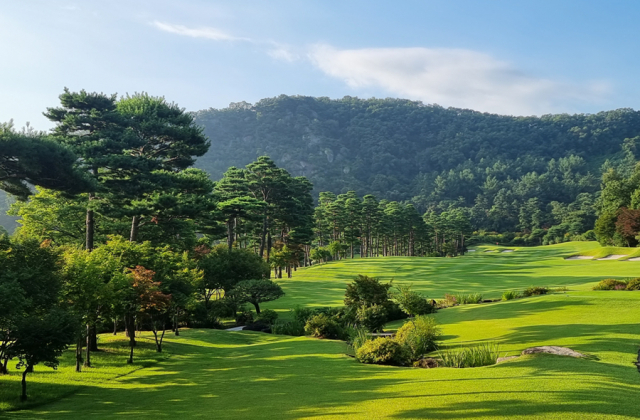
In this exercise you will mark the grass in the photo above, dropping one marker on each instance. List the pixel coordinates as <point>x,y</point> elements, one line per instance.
<point>604,251</point>
<point>473,356</point>
<point>237,375</point>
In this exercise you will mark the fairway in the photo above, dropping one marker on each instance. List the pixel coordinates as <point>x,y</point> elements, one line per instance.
<point>489,273</point>
<point>241,375</point>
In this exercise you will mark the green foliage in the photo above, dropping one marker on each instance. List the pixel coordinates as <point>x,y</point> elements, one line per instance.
<point>611,284</point>
<point>535,291</point>
<point>419,336</point>
<point>268,316</point>
<point>358,336</point>
<point>244,317</point>
<point>256,292</point>
<point>382,351</point>
<point>463,298</point>
<point>474,356</point>
<point>633,284</point>
<point>323,326</point>
<point>293,327</point>
<point>510,295</point>
<point>411,302</point>
<point>366,291</point>
<point>371,317</point>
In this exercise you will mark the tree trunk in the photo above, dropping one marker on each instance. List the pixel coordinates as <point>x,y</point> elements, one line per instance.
<point>268,245</point>
<point>176,325</point>
<point>263,235</point>
<point>4,365</point>
<point>23,397</point>
<point>93,338</point>
<point>87,358</point>
<point>230,233</point>
<point>135,225</point>
<point>115,326</point>
<point>79,356</point>
<point>257,306</point>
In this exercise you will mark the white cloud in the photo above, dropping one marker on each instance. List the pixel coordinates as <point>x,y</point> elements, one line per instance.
<point>455,77</point>
<point>204,32</point>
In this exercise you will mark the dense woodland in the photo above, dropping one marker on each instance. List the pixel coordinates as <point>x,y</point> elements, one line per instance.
<point>511,174</point>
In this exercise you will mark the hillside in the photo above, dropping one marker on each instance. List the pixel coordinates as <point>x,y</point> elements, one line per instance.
<point>386,146</point>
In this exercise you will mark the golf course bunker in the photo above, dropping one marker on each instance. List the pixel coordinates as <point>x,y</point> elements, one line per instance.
<point>471,250</point>
<point>580,257</point>
<point>611,257</point>
<point>506,250</point>
<point>634,259</point>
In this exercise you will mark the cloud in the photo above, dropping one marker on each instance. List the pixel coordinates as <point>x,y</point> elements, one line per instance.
<point>455,77</point>
<point>204,32</point>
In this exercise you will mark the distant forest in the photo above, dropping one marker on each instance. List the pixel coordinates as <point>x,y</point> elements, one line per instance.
<point>511,174</point>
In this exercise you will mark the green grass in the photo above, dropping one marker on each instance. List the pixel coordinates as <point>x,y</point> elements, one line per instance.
<point>604,251</point>
<point>490,274</point>
<point>238,375</point>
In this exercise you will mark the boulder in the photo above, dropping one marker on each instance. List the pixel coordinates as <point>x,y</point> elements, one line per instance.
<point>427,363</point>
<point>560,351</point>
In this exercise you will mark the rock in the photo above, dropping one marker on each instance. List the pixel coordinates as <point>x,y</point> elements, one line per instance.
<point>504,359</point>
<point>560,351</point>
<point>427,363</point>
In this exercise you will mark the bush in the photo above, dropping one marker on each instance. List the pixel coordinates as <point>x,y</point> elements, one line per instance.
<point>372,318</point>
<point>462,298</point>
<point>480,355</point>
<point>450,300</point>
<point>412,303</point>
<point>295,328</point>
<point>244,317</point>
<point>535,290</point>
<point>268,316</point>
<point>259,325</point>
<point>634,284</point>
<point>302,314</point>
<point>322,326</point>
<point>610,284</point>
<point>419,336</point>
<point>511,294</point>
<point>358,336</point>
<point>382,351</point>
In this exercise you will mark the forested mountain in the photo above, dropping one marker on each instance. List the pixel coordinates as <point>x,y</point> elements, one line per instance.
<point>506,170</point>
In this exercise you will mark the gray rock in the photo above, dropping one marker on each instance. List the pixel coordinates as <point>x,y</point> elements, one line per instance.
<point>560,351</point>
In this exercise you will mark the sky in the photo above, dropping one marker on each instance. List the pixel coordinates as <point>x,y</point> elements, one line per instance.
<point>513,57</point>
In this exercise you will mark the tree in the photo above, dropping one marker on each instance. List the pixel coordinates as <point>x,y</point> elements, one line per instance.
<point>366,291</point>
<point>256,292</point>
<point>411,302</point>
<point>29,157</point>
<point>42,339</point>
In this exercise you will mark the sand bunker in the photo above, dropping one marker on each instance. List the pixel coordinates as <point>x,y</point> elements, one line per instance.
<point>611,257</point>
<point>634,259</point>
<point>471,250</point>
<point>490,250</point>
<point>579,257</point>
<point>507,250</point>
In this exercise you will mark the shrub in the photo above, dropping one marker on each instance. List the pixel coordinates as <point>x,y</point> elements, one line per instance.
<point>244,317</point>
<point>372,318</point>
<point>419,336</point>
<point>259,325</point>
<point>268,316</point>
<point>322,326</point>
<point>302,314</point>
<point>475,356</point>
<point>382,351</point>
<point>295,328</point>
<point>358,336</point>
<point>610,284</point>
<point>535,290</point>
<point>450,300</point>
<point>634,284</point>
<point>465,299</point>
<point>412,303</point>
<point>511,294</point>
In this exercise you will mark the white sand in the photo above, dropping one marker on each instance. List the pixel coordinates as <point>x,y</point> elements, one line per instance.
<point>507,250</point>
<point>611,257</point>
<point>471,250</point>
<point>579,257</point>
<point>634,259</point>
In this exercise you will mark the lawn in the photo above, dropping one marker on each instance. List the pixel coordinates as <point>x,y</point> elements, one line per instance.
<point>238,375</point>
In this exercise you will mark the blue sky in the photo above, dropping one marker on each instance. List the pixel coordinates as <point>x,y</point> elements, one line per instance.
<point>510,57</point>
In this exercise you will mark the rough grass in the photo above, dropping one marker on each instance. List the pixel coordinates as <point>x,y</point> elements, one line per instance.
<point>604,251</point>
<point>238,375</point>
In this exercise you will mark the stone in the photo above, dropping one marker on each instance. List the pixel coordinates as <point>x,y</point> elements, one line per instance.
<point>560,351</point>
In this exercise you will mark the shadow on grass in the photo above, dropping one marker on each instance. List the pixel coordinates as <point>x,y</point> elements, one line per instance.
<point>288,379</point>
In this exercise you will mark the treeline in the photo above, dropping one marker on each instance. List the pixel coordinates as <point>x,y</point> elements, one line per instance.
<point>511,174</point>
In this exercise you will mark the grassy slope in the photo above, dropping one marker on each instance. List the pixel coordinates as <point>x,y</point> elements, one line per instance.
<point>250,375</point>
<point>490,273</point>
